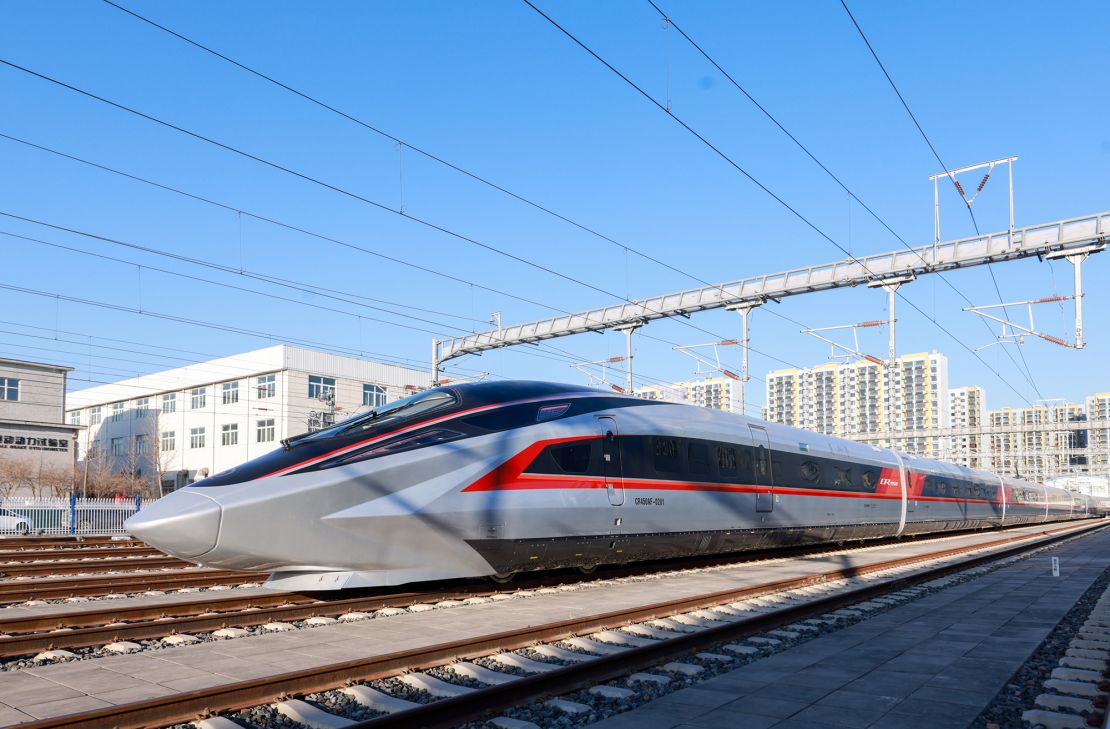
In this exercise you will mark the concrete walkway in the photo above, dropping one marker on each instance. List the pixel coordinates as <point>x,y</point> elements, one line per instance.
<point>932,663</point>
<point>67,688</point>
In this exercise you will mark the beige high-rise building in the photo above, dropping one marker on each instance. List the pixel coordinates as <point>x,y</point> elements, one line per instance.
<point>854,398</point>
<point>710,392</point>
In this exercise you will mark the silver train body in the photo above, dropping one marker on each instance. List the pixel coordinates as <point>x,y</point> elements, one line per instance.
<point>497,478</point>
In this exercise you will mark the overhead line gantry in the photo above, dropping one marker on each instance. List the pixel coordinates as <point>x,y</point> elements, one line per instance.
<point>1073,239</point>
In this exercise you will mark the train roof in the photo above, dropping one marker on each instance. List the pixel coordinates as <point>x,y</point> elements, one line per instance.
<point>475,394</point>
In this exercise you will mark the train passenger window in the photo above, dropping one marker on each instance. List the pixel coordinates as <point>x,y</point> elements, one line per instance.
<point>572,458</point>
<point>747,465</point>
<point>843,477</point>
<point>778,473</point>
<point>666,454</point>
<point>697,456</point>
<point>726,461</point>
<point>942,489</point>
<point>810,472</point>
<point>870,479</point>
<point>763,464</point>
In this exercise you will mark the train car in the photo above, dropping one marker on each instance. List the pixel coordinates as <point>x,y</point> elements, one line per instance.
<point>492,479</point>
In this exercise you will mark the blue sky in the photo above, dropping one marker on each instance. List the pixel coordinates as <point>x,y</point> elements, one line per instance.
<point>495,89</point>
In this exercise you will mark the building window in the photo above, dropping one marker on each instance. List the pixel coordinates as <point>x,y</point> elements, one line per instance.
<point>169,441</point>
<point>74,417</point>
<point>196,437</point>
<point>169,403</point>
<point>117,447</point>
<point>94,415</point>
<point>230,392</point>
<point>142,445</point>
<point>141,406</point>
<point>267,386</point>
<point>266,430</point>
<point>117,412</point>
<point>321,387</point>
<point>373,395</point>
<point>229,434</point>
<point>9,388</point>
<point>199,397</point>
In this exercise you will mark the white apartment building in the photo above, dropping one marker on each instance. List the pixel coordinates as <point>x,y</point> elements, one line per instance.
<point>852,398</point>
<point>1098,437</point>
<point>1040,451</point>
<point>173,427</point>
<point>968,408</point>
<point>709,392</point>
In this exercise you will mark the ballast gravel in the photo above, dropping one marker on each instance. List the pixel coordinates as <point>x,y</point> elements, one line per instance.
<point>645,691</point>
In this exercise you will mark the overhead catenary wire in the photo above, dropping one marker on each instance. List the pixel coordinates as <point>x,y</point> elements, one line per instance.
<point>278,223</point>
<point>312,179</point>
<point>762,186</point>
<point>189,361</point>
<point>403,143</point>
<point>851,194</point>
<point>952,178</point>
<point>212,282</point>
<point>305,231</point>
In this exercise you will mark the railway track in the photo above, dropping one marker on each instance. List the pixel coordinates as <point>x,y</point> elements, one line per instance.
<point>32,634</point>
<point>90,565</point>
<point>95,552</point>
<point>588,670</point>
<point>72,542</point>
<point>54,589</point>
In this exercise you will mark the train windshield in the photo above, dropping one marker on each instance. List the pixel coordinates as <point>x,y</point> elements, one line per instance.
<point>405,408</point>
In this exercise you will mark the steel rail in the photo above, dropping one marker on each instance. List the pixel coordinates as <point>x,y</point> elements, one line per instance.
<point>478,704</point>
<point>187,706</point>
<point>36,555</point>
<point>45,589</point>
<point>76,541</point>
<point>98,627</point>
<point>100,564</point>
<point>237,611</point>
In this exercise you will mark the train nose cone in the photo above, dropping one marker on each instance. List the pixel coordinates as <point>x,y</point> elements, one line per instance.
<point>184,524</point>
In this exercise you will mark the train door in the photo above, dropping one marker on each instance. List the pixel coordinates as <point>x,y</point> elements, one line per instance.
<point>611,459</point>
<point>761,445</point>
<point>908,504</point>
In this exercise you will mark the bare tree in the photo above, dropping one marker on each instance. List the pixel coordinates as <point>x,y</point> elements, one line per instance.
<point>55,481</point>
<point>16,475</point>
<point>98,478</point>
<point>160,461</point>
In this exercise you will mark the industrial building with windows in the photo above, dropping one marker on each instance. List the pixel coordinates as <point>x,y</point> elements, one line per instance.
<point>37,448</point>
<point>167,429</point>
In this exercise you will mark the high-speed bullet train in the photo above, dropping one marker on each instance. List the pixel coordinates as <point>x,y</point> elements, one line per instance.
<point>491,479</point>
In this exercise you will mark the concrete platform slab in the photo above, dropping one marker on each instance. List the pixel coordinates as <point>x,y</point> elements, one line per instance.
<point>936,661</point>
<point>1015,602</point>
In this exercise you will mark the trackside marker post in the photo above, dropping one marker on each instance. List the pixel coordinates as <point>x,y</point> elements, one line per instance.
<point>1055,566</point>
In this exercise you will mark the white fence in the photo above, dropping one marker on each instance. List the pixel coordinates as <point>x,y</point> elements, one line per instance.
<point>65,515</point>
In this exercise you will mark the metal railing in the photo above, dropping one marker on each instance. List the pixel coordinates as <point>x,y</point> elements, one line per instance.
<point>65,515</point>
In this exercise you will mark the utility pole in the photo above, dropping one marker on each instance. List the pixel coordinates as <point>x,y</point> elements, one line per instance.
<point>745,310</point>
<point>627,330</point>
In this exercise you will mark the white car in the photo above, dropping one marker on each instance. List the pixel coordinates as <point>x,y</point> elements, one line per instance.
<point>13,523</point>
